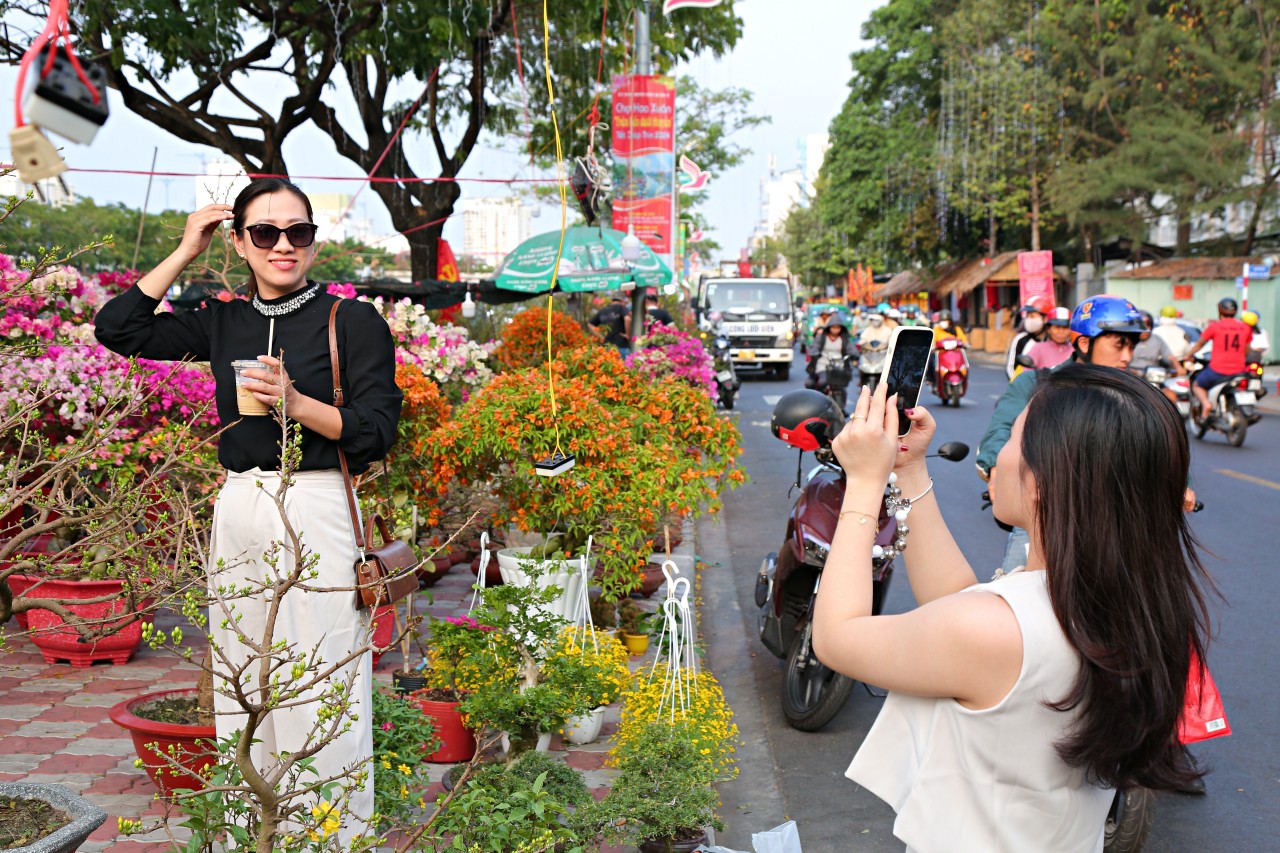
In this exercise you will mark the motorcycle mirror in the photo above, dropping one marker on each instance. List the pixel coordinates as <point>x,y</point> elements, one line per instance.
<point>1024,361</point>
<point>953,451</point>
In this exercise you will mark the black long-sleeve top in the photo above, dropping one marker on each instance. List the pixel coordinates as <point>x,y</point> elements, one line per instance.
<point>224,332</point>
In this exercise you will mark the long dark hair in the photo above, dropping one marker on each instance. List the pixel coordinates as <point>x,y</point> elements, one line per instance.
<point>257,187</point>
<point>1109,455</point>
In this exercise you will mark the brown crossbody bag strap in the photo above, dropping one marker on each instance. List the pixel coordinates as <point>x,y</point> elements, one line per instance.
<point>338,401</point>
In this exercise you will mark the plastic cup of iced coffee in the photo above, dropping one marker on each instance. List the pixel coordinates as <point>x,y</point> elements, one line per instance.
<point>245,401</point>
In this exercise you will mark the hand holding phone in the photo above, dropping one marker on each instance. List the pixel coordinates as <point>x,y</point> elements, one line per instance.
<point>904,368</point>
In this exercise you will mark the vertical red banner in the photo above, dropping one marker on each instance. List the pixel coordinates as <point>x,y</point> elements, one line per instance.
<point>644,139</point>
<point>1035,279</point>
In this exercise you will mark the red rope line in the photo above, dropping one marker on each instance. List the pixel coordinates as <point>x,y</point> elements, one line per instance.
<point>595,105</point>
<point>371,243</point>
<point>254,175</point>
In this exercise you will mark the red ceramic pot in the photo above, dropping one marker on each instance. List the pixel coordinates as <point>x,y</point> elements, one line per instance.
<point>493,574</point>
<point>58,641</point>
<point>384,630</point>
<point>191,746</point>
<point>651,579</point>
<point>432,570</point>
<point>457,742</point>
<point>19,584</point>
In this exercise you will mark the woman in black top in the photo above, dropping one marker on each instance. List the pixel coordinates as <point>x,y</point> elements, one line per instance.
<point>284,325</point>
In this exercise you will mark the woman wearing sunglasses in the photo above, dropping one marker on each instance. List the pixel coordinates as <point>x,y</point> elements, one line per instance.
<point>284,326</point>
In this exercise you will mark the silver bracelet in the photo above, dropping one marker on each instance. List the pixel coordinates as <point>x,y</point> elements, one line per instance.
<point>922,494</point>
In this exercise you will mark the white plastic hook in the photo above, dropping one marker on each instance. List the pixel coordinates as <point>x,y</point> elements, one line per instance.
<point>477,591</point>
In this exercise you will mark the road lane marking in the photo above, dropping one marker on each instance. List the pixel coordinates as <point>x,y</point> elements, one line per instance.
<point>772,399</point>
<point>760,423</point>
<point>1248,478</point>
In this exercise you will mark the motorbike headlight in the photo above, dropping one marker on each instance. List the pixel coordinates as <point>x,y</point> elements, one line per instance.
<point>815,549</point>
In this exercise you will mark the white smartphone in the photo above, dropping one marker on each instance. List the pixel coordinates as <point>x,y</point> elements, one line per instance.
<point>905,367</point>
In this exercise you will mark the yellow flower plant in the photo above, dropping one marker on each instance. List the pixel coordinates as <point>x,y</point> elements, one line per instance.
<point>707,715</point>
<point>592,674</point>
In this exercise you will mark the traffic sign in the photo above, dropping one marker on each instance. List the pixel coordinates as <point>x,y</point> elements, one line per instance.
<point>1257,271</point>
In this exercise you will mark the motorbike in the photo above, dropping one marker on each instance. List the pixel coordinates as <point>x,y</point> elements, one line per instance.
<point>951,372</point>
<point>787,581</point>
<point>1233,403</point>
<point>871,362</point>
<point>838,376</point>
<point>717,343</point>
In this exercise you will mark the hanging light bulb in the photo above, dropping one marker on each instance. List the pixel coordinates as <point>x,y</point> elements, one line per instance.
<point>632,248</point>
<point>468,306</point>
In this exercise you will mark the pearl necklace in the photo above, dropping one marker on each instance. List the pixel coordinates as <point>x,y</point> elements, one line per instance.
<point>290,305</point>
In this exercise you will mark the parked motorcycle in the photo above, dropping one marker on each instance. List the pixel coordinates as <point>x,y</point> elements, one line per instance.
<point>787,582</point>
<point>1233,404</point>
<point>951,372</point>
<point>716,342</point>
<point>871,362</point>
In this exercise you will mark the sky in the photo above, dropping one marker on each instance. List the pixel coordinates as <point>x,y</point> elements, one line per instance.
<point>793,56</point>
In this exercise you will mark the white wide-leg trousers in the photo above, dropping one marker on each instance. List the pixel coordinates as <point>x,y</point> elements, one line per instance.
<point>246,522</point>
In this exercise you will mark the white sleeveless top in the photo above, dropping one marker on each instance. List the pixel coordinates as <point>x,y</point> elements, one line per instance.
<point>989,781</point>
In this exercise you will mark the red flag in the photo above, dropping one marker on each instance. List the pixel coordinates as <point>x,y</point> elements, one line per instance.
<point>446,263</point>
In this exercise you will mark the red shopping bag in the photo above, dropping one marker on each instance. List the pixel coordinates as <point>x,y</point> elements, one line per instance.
<point>1202,715</point>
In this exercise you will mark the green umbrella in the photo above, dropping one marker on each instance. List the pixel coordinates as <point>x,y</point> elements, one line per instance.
<point>591,260</point>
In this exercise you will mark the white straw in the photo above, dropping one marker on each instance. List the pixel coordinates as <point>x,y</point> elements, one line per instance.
<point>271,335</point>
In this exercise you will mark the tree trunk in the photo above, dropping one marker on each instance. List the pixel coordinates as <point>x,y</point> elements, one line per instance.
<point>1035,209</point>
<point>1184,233</point>
<point>1260,200</point>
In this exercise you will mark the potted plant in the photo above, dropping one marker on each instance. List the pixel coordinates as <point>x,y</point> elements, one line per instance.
<point>524,339</point>
<point>662,799</point>
<point>635,460</point>
<point>634,626</point>
<point>556,562</point>
<point>590,668</point>
<point>402,736</point>
<point>173,734</point>
<point>45,818</point>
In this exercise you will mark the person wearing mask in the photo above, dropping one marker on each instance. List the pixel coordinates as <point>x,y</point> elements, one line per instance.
<point>1230,339</point>
<point>945,328</point>
<point>1152,351</point>
<point>1168,330</point>
<point>893,318</point>
<point>829,346</point>
<point>1016,708</point>
<point>911,316</point>
<point>876,330</point>
<point>656,313</point>
<point>610,322</point>
<point>1030,331</point>
<point>1056,347</point>
<point>1259,343</point>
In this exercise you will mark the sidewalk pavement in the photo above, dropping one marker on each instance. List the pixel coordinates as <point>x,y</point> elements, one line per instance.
<point>54,726</point>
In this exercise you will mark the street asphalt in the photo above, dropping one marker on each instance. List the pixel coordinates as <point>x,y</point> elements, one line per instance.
<point>785,774</point>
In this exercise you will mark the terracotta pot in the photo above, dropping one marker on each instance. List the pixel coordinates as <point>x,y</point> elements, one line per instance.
<point>384,630</point>
<point>651,579</point>
<point>457,742</point>
<point>57,641</point>
<point>432,570</point>
<point>493,574</point>
<point>667,845</point>
<point>85,816</point>
<point>458,555</point>
<point>637,644</point>
<point>152,739</point>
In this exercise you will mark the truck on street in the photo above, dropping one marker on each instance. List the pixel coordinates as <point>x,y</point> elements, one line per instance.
<point>756,314</point>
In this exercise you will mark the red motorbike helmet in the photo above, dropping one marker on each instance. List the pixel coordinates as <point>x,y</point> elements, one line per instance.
<point>806,419</point>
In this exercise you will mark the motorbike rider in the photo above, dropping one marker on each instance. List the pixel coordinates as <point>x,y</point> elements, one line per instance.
<point>943,328</point>
<point>1056,347</point>
<point>1230,339</point>
<point>1168,330</point>
<point>1030,331</point>
<point>1151,351</point>
<point>830,344</point>
<point>893,318</point>
<point>911,316</point>
<point>876,330</point>
<point>1259,343</point>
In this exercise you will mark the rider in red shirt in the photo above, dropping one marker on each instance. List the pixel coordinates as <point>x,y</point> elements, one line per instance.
<point>1230,339</point>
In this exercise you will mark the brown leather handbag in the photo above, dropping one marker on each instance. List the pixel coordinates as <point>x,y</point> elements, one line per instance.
<point>387,573</point>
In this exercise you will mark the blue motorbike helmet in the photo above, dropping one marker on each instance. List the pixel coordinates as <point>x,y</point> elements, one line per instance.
<point>1099,315</point>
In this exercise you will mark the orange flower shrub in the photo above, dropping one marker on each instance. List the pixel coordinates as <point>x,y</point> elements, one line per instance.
<point>524,339</point>
<point>644,449</point>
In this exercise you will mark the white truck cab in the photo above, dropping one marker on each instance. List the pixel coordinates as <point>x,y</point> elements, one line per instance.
<point>756,314</point>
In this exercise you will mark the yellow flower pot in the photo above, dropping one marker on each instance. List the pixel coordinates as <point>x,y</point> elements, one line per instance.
<point>637,644</point>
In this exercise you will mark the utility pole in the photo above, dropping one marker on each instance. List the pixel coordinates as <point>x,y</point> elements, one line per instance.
<point>642,67</point>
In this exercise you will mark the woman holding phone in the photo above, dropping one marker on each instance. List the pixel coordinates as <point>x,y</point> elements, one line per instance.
<point>1016,707</point>
<point>271,351</point>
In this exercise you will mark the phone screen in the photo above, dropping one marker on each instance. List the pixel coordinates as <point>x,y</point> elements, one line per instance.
<point>910,349</point>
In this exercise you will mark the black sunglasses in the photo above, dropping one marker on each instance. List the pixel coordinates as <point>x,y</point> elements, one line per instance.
<point>300,235</point>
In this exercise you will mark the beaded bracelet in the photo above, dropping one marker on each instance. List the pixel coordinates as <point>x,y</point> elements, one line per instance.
<point>899,508</point>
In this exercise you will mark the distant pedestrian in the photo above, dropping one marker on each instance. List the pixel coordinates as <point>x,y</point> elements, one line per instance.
<point>1056,348</point>
<point>611,322</point>
<point>656,313</point>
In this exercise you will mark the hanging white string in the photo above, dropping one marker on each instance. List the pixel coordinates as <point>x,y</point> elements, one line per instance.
<point>677,646</point>
<point>477,591</point>
<point>583,624</point>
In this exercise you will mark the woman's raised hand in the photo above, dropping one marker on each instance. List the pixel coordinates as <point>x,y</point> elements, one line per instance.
<point>868,445</point>
<point>200,227</point>
<point>916,441</point>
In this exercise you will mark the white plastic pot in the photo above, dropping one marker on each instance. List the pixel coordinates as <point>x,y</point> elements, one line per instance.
<point>515,566</point>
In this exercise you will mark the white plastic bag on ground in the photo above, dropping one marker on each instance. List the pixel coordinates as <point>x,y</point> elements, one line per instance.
<point>780,839</point>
